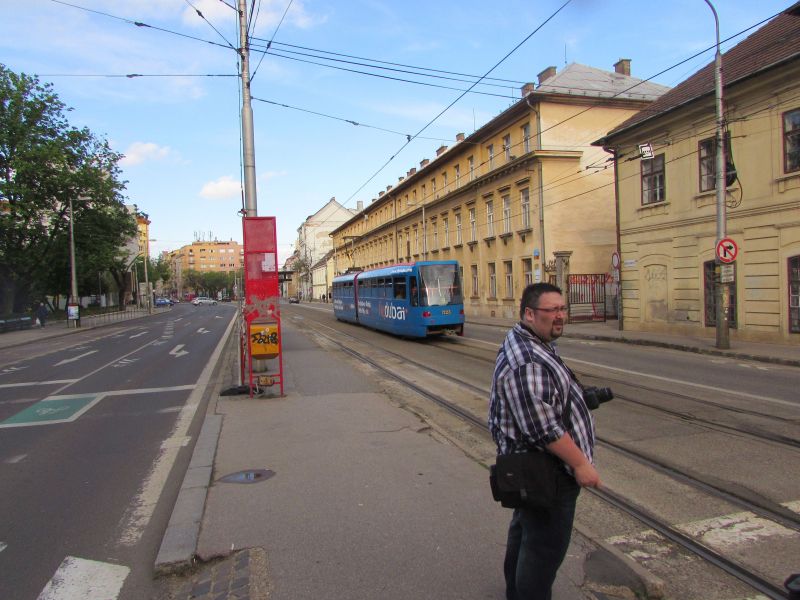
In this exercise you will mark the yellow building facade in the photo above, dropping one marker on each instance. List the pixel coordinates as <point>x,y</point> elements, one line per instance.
<point>667,204</point>
<point>209,256</point>
<point>503,200</point>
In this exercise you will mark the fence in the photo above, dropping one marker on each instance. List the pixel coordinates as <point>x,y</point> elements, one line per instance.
<point>587,297</point>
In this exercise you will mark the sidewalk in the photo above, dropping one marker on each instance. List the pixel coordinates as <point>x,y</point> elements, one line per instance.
<point>358,499</point>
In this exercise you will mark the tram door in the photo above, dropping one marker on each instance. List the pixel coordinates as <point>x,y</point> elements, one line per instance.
<point>414,290</point>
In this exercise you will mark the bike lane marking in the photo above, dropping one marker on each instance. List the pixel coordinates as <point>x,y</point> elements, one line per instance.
<point>67,408</point>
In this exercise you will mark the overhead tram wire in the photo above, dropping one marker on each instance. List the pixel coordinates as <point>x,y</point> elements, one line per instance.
<point>274,33</point>
<point>141,24</point>
<point>385,62</point>
<point>369,66</point>
<point>202,16</point>
<point>449,106</point>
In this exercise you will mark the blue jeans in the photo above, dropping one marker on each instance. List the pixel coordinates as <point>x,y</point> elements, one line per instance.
<point>538,539</point>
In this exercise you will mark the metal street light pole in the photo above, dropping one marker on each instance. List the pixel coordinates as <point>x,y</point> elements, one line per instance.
<point>722,290</point>
<point>248,143</point>
<point>73,276</point>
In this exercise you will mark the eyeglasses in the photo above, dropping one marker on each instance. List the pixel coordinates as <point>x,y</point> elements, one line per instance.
<point>555,309</point>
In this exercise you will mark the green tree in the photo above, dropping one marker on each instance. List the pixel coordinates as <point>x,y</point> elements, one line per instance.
<point>45,163</point>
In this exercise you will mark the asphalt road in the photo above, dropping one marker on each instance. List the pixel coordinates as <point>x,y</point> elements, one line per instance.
<point>90,429</point>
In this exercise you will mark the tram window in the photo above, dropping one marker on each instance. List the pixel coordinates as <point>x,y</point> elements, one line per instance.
<point>412,281</point>
<point>440,285</point>
<point>399,288</point>
<point>379,290</point>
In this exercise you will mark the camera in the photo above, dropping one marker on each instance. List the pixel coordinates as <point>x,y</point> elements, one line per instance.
<point>595,396</point>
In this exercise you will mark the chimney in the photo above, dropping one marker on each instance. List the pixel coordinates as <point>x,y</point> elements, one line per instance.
<point>359,205</point>
<point>388,187</point>
<point>623,66</point>
<point>411,171</point>
<point>380,195</point>
<point>528,88</point>
<point>442,149</point>
<point>546,74</point>
<point>459,137</point>
<point>423,163</point>
<point>399,179</point>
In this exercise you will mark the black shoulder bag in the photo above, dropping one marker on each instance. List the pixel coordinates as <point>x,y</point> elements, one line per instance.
<point>527,479</point>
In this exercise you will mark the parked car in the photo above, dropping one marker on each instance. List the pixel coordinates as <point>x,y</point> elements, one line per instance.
<point>294,300</point>
<point>203,300</point>
<point>163,302</point>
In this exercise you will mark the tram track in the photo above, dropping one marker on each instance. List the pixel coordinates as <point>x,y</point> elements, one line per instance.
<point>685,417</point>
<point>741,572</point>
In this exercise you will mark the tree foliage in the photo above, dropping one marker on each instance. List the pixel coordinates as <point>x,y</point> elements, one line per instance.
<point>45,164</point>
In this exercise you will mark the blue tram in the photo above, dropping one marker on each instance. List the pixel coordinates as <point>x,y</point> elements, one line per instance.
<point>415,300</point>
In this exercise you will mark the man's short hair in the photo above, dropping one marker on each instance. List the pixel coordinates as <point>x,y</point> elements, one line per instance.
<point>532,293</point>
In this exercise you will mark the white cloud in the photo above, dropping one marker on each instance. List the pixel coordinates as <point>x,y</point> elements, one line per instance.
<point>267,175</point>
<point>224,188</point>
<point>139,152</point>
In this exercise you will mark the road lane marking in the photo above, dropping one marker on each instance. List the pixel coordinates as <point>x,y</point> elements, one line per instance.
<point>30,383</point>
<point>141,333</point>
<point>74,358</point>
<point>139,512</point>
<point>682,382</point>
<point>3,546</point>
<point>203,330</point>
<point>78,578</point>
<point>15,459</point>
<point>178,351</point>
<point>9,370</point>
<point>52,410</point>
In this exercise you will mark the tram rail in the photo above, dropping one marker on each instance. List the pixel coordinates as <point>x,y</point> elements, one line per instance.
<point>741,572</point>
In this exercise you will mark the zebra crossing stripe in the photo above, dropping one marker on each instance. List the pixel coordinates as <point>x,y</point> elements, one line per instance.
<point>81,578</point>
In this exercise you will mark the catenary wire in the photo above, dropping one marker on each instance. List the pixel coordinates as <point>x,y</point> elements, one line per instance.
<point>274,33</point>
<point>202,16</point>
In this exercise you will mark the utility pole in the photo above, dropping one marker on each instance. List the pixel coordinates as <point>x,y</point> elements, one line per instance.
<point>73,275</point>
<point>723,290</point>
<point>248,149</point>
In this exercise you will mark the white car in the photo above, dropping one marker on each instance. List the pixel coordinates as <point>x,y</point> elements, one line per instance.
<point>203,300</point>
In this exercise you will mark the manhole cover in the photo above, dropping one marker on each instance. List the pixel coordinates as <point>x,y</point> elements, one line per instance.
<point>250,476</point>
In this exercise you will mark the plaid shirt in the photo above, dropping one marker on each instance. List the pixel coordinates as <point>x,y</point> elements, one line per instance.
<point>528,399</point>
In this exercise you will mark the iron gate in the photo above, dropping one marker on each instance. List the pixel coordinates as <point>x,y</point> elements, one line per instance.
<point>587,297</point>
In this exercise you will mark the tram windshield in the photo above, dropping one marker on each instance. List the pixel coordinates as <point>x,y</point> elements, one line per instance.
<point>440,285</point>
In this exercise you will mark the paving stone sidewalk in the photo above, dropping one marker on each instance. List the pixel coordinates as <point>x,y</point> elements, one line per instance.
<point>240,576</point>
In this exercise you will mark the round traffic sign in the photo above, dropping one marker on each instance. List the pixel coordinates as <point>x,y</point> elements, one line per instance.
<point>727,250</point>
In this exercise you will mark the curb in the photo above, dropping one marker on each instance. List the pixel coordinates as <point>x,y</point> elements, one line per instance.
<point>179,544</point>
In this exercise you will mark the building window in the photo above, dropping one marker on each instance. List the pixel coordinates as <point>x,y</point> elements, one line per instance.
<point>471,165</point>
<point>490,150</point>
<point>506,214</point>
<point>525,207</point>
<point>416,241</point>
<point>459,239</point>
<point>708,164</point>
<point>710,278</point>
<point>446,226</point>
<point>424,192</point>
<point>472,225</point>
<point>509,279</point>
<point>435,227</point>
<point>457,169</point>
<point>507,146</point>
<point>791,141</point>
<point>489,218</point>
<point>794,294</point>
<point>653,184</point>
<point>526,137</point>
<point>474,272</point>
<point>707,151</point>
<point>527,270</point>
<point>433,187</point>
<point>492,281</point>
<point>444,182</point>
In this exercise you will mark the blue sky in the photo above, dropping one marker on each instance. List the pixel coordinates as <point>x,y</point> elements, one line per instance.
<point>180,135</point>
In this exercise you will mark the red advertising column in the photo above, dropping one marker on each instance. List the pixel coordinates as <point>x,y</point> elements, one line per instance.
<point>261,342</point>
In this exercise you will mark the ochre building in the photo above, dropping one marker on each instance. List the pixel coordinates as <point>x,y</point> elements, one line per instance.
<point>505,199</point>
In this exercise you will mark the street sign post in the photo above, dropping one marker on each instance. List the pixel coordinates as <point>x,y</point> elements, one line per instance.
<point>727,250</point>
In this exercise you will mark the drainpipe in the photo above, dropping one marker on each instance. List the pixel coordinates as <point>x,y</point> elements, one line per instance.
<point>619,241</point>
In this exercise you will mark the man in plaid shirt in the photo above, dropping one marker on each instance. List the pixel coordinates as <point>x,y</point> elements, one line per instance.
<point>530,389</point>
